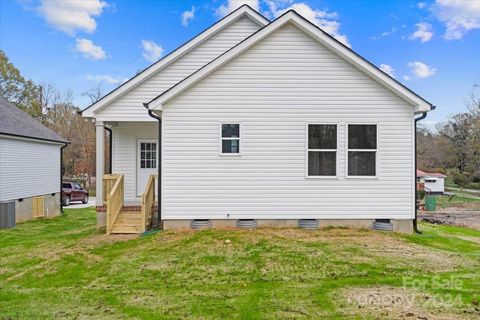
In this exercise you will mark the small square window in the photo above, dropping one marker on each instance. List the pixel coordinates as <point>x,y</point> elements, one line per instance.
<point>230,138</point>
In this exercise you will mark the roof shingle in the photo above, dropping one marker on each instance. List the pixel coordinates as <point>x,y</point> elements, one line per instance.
<point>14,121</point>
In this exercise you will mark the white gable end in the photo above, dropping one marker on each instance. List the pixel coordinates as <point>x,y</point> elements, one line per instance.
<point>128,107</point>
<point>417,102</point>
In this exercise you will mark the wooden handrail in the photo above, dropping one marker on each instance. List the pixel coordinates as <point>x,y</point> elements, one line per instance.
<point>115,202</point>
<point>148,201</point>
<point>108,183</point>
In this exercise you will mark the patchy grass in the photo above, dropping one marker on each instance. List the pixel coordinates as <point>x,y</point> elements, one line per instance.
<point>62,268</point>
<point>458,200</point>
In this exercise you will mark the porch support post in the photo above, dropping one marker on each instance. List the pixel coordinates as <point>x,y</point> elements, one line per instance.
<point>100,164</point>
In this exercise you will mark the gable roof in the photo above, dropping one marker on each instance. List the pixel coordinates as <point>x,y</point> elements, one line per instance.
<point>421,173</point>
<point>15,122</point>
<point>243,11</point>
<point>420,104</point>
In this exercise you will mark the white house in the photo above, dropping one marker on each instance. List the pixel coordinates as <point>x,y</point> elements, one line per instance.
<point>268,120</point>
<point>433,183</point>
<point>30,156</point>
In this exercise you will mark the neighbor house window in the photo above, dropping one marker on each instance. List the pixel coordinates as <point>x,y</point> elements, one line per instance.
<point>362,149</point>
<point>148,155</point>
<point>230,138</point>
<point>322,150</point>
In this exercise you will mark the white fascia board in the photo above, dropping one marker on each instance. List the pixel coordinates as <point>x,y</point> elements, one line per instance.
<point>417,102</point>
<point>173,56</point>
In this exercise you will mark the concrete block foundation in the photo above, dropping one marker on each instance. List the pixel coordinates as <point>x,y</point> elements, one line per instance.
<point>24,207</point>
<point>402,226</point>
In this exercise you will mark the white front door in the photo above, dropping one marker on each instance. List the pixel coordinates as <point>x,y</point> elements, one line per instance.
<point>147,162</point>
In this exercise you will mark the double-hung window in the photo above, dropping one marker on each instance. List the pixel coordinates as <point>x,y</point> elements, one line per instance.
<point>230,138</point>
<point>362,149</point>
<point>322,150</point>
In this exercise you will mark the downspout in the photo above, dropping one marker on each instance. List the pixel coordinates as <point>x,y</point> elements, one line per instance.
<point>159,167</point>
<point>415,221</point>
<point>61,176</point>
<point>110,140</point>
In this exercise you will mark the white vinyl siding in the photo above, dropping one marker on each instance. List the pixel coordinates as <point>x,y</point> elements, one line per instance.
<point>28,168</point>
<point>124,159</point>
<point>275,89</point>
<point>129,106</point>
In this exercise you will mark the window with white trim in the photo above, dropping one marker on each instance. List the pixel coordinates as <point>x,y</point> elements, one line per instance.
<point>362,149</point>
<point>322,150</point>
<point>230,138</point>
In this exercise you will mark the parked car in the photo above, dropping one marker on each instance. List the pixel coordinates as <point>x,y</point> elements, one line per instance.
<point>73,192</point>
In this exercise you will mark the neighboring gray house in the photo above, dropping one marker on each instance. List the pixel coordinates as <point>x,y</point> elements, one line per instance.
<point>274,121</point>
<point>30,156</point>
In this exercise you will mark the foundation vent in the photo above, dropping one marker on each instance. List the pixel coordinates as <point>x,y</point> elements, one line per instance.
<point>247,223</point>
<point>308,224</point>
<point>383,225</point>
<point>201,224</point>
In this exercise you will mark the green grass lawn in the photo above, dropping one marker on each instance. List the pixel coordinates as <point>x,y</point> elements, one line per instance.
<point>62,268</point>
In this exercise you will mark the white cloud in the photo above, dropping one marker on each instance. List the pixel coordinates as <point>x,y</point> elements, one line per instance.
<point>421,5</point>
<point>322,18</point>
<point>188,16</point>
<point>151,51</point>
<point>90,50</point>
<point>421,70</point>
<point>424,32</point>
<point>385,33</point>
<point>106,78</point>
<point>231,5</point>
<point>388,70</point>
<point>407,78</point>
<point>459,16</point>
<point>73,15</point>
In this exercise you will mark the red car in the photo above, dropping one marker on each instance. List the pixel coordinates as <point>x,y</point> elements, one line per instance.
<point>73,192</point>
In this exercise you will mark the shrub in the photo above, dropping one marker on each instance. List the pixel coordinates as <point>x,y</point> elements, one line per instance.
<point>461,179</point>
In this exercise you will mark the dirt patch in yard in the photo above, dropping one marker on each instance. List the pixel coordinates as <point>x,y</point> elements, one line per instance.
<point>106,239</point>
<point>455,216</point>
<point>385,302</point>
<point>369,244</point>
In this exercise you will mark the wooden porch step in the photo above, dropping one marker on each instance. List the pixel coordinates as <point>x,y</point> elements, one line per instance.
<point>126,229</point>
<point>128,222</point>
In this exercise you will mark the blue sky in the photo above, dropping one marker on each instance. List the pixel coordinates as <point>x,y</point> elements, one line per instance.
<point>433,47</point>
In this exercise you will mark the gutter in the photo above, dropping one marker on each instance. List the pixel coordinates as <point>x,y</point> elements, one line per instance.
<point>61,176</point>
<point>159,167</point>
<point>110,140</point>
<point>415,221</point>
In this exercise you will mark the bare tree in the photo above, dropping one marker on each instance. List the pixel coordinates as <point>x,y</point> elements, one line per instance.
<point>95,93</point>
